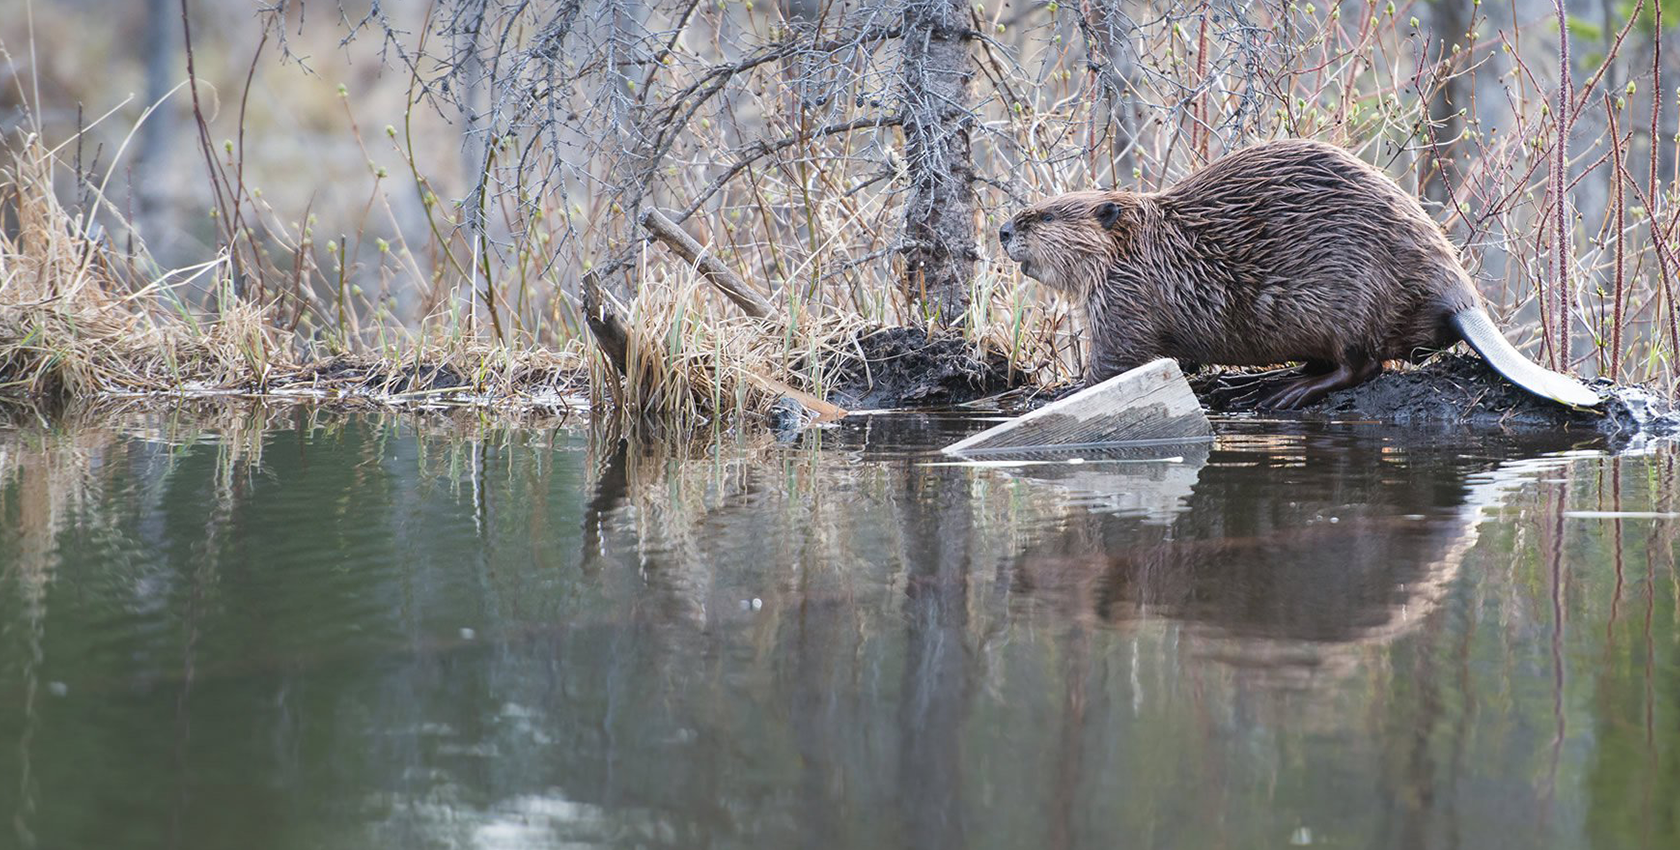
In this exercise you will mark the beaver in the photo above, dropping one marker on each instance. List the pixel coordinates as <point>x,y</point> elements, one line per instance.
<point>1286,251</point>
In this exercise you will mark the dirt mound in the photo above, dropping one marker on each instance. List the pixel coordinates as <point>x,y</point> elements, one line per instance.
<point>908,367</point>
<point>1453,389</point>
<point>902,367</point>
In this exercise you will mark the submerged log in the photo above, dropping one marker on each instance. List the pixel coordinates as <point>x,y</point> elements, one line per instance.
<point>720,275</point>
<point>1151,402</point>
<point>1153,480</point>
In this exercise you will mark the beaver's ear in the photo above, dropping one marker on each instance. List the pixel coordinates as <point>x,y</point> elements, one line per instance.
<point>1108,214</point>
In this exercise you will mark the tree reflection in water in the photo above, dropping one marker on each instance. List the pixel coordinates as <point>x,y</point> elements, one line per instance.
<point>430,632</point>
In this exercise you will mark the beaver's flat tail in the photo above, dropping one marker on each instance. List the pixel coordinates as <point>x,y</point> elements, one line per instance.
<point>1477,328</point>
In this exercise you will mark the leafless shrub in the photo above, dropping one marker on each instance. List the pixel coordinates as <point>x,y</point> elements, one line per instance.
<point>840,153</point>
<point>852,159</point>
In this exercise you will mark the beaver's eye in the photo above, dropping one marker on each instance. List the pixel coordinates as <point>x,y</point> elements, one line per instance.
<point>1046,216</point>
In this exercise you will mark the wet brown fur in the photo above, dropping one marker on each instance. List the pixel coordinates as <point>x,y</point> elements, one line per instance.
<point>1284,251</point>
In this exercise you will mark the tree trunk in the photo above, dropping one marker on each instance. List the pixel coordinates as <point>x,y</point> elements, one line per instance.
<point>149,169</point>
<point>939,249</point>
<point>473,104</point>
<point>1450,19</point>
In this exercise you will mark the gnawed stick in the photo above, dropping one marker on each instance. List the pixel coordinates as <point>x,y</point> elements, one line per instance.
<point>720,275</point>
<point>822,411</point>
<point>609,332</point>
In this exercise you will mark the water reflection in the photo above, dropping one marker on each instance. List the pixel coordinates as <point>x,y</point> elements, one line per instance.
<point>281,628</point>
<point>1288,551</point>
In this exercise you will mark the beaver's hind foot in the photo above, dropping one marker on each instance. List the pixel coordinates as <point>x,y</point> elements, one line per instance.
<point>1311,386</point>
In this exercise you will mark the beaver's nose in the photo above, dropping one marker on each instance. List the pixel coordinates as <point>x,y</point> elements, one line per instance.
<point>1006,231</point>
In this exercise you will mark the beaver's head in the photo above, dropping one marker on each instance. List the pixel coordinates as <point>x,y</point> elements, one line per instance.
<point>1068,242</point>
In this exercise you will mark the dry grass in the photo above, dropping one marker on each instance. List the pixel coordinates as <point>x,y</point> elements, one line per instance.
<point>693,359</point>
<point>76,319</point>
<point>79,319</point>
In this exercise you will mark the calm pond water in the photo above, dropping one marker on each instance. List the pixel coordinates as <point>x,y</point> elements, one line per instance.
<point>284,629</point>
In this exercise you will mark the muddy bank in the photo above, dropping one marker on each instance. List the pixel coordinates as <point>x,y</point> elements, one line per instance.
<point>1453,389</point>
<point>909,367</point>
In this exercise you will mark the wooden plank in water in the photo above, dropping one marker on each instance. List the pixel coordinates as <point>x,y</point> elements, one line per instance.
<point>1151,402</point>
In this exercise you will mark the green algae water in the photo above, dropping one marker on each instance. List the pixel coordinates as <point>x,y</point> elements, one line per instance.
<point>285,629</point>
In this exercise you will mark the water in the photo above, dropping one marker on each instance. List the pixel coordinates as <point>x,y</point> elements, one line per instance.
<point>286,629</point>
